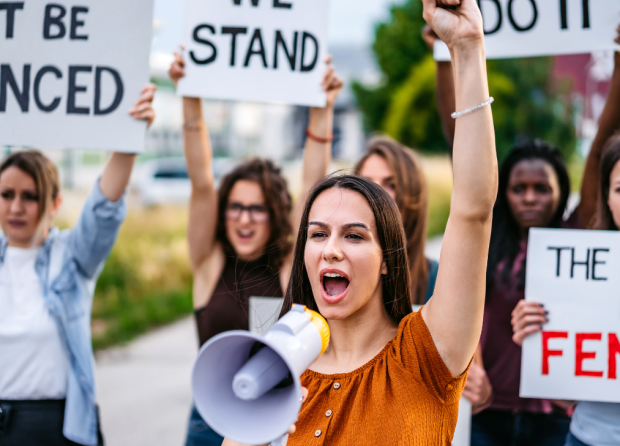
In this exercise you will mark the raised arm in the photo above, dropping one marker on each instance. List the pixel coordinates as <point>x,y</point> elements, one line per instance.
<point>318,148</point>
<point>94,234</point>
<point>117,172</point>
<point>199,157</point>
<point>609,124</point>
<point>454,314</point>
<point>444,89</point>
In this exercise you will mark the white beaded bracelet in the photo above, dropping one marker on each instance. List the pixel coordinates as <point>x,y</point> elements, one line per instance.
<point>473,109</point>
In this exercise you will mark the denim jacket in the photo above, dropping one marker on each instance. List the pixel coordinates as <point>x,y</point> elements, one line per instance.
<point>68,264</point>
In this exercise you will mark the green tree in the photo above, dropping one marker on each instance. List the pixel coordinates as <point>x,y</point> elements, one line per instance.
<point>529,101</point>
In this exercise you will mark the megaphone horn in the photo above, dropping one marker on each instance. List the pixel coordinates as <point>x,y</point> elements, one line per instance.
<point>246,387</point>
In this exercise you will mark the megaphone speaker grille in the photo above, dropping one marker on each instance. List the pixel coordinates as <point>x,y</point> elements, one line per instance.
<point>256,421</point>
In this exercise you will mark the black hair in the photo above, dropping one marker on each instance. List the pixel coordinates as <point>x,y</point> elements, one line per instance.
<point>395,285</point>
<point>506,234</point>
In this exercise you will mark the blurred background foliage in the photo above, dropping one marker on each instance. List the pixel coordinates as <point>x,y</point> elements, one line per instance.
<point>146,281</point>
<point>529,102</point>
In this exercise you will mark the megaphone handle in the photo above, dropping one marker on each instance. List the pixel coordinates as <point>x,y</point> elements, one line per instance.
<point>277,442</point>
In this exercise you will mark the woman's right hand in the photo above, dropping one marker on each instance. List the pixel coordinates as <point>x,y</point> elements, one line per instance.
<point>527,318</point>
<point>177,69</point>
<point>458,27</point>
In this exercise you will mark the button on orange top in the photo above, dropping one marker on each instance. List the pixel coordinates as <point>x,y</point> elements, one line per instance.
<point>400,398</point>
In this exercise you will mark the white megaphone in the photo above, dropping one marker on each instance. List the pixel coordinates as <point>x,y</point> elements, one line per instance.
<point>246,387</point>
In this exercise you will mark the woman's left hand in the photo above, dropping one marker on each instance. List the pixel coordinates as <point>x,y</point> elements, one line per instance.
<point>331,84</point>
<point>143,109</point>
<point>527,318</point>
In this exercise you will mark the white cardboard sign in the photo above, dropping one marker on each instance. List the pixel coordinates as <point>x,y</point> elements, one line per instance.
<point>575,275</point>
<point>256,50</point>
<point>70,72</point>
<point>527,28</point>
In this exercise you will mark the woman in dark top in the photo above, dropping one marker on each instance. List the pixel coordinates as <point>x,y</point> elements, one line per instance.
<point>398,170</point>
<point>533,192</point>
<point>240,236</point>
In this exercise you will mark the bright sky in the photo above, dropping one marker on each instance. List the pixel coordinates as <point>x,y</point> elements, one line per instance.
<point>351,22</point>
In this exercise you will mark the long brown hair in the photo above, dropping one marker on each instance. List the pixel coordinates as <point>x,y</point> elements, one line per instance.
<point>412,200</point>
<point>41,170</point>
<point>603,219</point>
<point>277,202</point>
<point>395,285</point>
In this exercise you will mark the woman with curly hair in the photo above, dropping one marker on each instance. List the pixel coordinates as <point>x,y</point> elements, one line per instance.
<point>240,236</point>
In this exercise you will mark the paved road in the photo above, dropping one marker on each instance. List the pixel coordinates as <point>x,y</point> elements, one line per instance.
<point>144,389</point>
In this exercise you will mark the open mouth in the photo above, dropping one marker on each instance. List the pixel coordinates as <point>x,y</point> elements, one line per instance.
<point>334,286</point>
<point>245,235</point>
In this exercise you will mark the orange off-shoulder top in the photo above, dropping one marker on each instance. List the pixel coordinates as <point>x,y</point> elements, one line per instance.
<point>405,396</point>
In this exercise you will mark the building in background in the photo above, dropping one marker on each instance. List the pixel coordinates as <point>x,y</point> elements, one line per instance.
<point>591,76</point>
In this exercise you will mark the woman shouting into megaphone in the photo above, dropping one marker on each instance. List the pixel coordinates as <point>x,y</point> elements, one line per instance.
<point>390,376</point>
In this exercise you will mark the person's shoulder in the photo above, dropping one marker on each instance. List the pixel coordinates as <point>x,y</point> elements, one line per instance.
<point>413,321</point>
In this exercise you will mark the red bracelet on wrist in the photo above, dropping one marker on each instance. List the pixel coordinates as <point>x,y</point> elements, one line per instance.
<point>312,136</point>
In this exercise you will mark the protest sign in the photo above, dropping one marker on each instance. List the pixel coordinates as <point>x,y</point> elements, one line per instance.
<point>70,72</point>
<point>264,312</point>
<point>574,274</point>
<point>527,28</point>
<point>256,50</point>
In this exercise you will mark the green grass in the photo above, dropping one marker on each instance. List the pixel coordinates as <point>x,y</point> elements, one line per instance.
<point>575,171</point>
<point>146,281</point>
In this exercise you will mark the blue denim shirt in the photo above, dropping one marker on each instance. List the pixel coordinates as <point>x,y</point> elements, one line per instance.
<point>68,265</point>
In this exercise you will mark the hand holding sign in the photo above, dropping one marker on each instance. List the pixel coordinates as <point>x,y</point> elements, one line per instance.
<point>331,84</point>
<point>143,110</point>
<point>177,69</point>
<point>527,318</point>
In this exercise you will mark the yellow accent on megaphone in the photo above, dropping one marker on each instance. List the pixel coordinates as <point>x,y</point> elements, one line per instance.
<point>321,325</point>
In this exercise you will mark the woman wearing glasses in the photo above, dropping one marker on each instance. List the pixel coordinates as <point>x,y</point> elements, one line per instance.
<point>240,236</point>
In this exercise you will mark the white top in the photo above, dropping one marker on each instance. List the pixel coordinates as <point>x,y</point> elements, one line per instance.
<point>597,424</point>
<point>34,363</point>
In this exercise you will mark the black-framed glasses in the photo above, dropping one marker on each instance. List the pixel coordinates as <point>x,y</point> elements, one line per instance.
<point>257,212</point>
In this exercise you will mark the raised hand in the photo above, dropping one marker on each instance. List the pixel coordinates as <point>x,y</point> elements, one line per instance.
<point>331,83</point>
<point>143,109</point>
<point>458,26</point>
<point>177,69</point>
